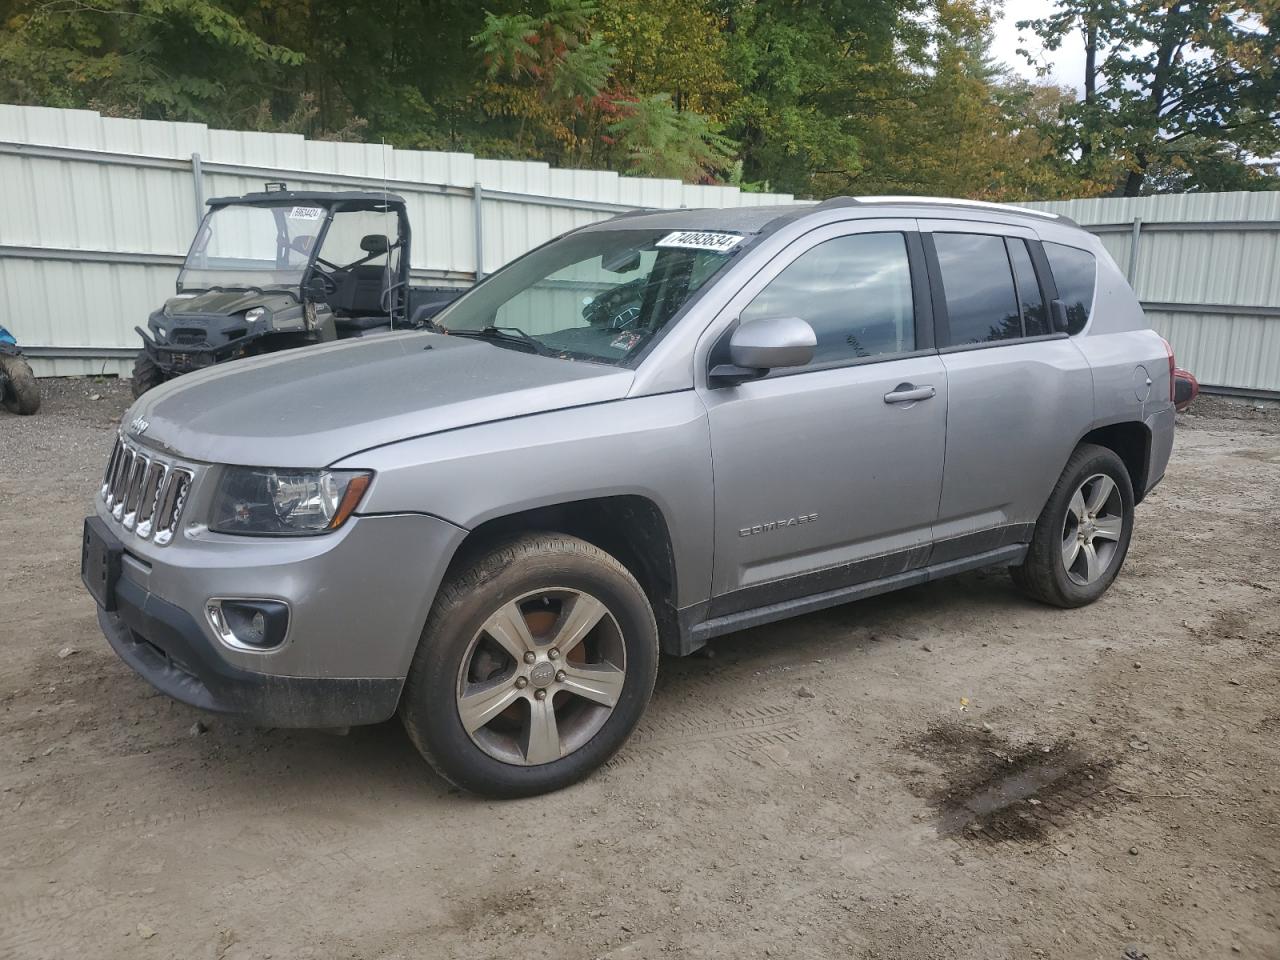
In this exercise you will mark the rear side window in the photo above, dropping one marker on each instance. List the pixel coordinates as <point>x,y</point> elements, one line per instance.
<point>1074,272</point>
<point>854,291</point>
<point>982,305</point>
<point>1035,316</point>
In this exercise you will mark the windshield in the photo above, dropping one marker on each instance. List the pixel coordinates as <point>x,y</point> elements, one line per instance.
<point>252,246</point>
<point>600,295</point>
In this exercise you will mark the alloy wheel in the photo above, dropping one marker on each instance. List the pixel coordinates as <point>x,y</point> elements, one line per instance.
<point>541,676</point>
<point>1092,529</point>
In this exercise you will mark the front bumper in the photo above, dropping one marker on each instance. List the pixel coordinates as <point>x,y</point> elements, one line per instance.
<point>184,358</point>
<point>358,599</point>
<point>166,647</point>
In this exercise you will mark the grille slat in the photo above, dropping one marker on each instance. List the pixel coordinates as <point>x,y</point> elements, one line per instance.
<point>123,473</point>
<point>151,490</point>
<point>143,493</point>
<point>133,492</point>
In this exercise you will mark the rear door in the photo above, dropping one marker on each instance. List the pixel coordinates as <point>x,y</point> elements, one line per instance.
<point>828,475</point>
<point>1017,392</point>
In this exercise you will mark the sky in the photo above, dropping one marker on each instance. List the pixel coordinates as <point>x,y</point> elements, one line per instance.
<point>1066,64</point>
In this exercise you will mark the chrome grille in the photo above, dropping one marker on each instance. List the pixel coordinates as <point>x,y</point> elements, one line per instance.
<point>145,494</point>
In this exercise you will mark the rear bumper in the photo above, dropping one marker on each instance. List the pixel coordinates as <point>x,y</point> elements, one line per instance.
<point>164,645</point>
<point>1160,426</point>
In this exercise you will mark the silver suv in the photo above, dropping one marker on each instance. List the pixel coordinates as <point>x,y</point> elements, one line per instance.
<point>647,433</point>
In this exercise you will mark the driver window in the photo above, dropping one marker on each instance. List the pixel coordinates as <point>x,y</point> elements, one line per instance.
<point>854,291</point>
<point>348,232</point>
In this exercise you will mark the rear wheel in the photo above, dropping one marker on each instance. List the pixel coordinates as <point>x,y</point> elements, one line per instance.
<point>21,391</point>
<point>1083,533</point>
<point>535,665</point>
<point>146,374</point>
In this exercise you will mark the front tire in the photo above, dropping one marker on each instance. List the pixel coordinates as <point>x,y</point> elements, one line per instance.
<point>146,374</point>
<point>534,667</point>
<point>1082,535</point>
<point>21,393</point>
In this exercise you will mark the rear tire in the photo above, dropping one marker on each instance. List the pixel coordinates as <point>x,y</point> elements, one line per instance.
<point>21,392</point>
<point>146,374</point>
<point>536,719</point>
<point>1082,536</point>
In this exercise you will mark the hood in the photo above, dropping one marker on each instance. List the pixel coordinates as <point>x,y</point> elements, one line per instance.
<point>223,303</point>
<point>312,406</point>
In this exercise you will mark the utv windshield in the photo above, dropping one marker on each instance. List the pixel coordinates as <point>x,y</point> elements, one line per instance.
<point>600,295</point>
<point>247,246</point>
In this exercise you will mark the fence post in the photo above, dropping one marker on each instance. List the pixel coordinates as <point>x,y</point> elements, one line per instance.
<point>197,178</point>
<point>477,211</point>
<point>1132,275</point>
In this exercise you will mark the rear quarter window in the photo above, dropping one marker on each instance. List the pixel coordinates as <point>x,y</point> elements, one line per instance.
<point>1075,274</point>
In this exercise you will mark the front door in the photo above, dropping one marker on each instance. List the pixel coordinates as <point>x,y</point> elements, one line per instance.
<point>829,475</point>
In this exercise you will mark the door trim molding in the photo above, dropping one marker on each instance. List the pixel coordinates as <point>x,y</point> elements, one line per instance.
<point>700,633</point>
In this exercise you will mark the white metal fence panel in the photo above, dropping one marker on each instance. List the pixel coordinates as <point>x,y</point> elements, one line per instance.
<point>1207,270</point>
<point>97,212</point>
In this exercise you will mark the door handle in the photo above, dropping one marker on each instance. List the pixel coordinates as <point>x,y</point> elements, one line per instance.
<point>909,392</point>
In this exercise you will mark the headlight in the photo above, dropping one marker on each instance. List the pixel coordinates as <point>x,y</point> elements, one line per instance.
<point>264,501</point>
<point>257,313</point>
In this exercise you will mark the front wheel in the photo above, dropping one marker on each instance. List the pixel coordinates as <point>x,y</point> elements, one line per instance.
<point>535,665</point>
<point>146,374</point>
<point>1082,535</point>
<point>21,392</point>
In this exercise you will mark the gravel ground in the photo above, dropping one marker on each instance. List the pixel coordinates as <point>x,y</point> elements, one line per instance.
<point>947,772</point>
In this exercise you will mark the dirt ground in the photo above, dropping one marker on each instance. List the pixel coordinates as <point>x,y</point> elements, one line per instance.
<point>951,771</point>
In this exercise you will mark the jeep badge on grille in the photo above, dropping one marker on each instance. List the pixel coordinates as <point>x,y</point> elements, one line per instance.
<point>139,425</point>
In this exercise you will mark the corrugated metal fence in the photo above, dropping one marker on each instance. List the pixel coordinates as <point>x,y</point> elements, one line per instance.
<point>1207,270</point>
<point>96,214</point>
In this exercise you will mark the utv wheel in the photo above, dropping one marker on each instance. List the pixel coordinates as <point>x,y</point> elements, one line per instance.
<point>533,669</point>
<point>146,374</point>
<point>1082,535</point>
<point>21,392</point>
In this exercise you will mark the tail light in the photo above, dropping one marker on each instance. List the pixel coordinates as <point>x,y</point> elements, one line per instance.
<point>1168,349</point>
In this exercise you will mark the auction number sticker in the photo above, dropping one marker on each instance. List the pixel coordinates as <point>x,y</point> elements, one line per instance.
<point>701,240</point>
<point>306,213</point>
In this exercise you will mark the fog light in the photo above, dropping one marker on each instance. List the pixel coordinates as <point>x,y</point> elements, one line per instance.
<point>249,624</point>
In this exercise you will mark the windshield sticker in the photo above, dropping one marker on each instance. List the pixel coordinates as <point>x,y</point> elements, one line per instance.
<point>306,213</point>
<point>700,240</point>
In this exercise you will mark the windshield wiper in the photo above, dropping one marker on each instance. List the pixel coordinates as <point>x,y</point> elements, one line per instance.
<point>501,335</point>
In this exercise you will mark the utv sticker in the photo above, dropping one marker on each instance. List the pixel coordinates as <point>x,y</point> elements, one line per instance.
<point>306,213</point>
<point>698,240</point>
<point>773,525</point>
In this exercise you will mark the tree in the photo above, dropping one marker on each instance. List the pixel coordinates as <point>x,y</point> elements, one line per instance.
<point>1170,85</point>
<point>949,120</point>
<point>661,141</point>
<point>173,59</point>
<point>800,71</point>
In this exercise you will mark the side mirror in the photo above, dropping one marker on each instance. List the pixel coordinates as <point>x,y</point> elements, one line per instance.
<point>1058,313</point>
<point>758,346</point>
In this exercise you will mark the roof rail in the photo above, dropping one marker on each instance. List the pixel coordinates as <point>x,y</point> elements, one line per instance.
<point>951,202</point>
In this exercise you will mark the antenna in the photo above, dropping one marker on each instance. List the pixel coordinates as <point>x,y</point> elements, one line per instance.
<point>386,265</point>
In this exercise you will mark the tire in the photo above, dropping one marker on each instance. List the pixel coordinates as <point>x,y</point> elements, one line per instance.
<point>1067,528</point>
<point>146,374</point>
<point>554,582</point>
<point>21,391</point>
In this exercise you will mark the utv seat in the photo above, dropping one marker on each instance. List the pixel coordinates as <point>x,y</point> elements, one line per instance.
<point>359,292</point>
